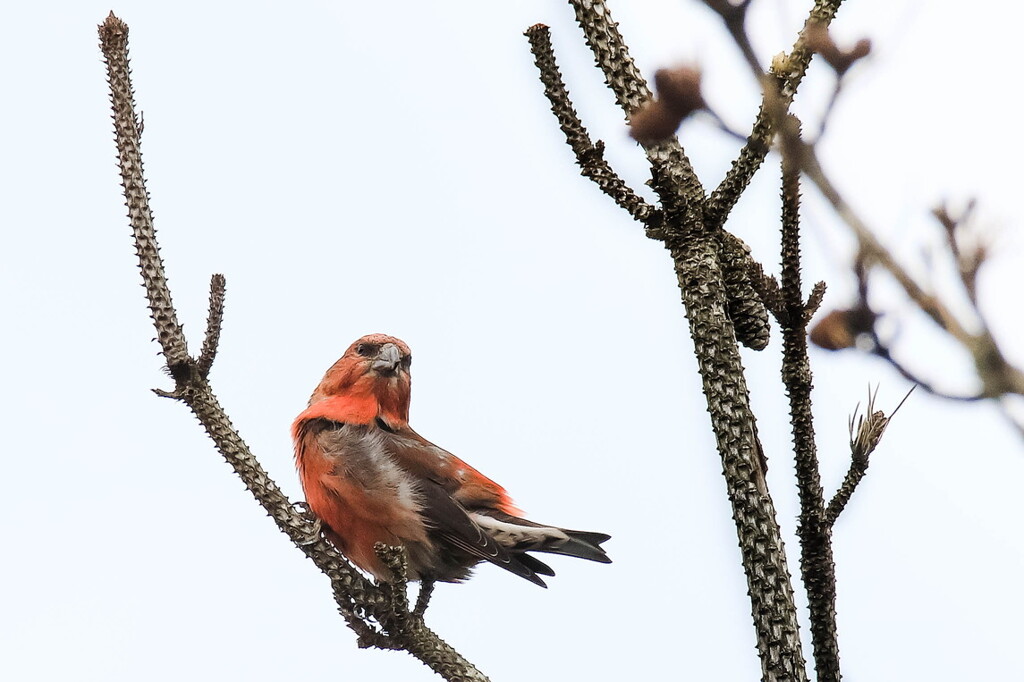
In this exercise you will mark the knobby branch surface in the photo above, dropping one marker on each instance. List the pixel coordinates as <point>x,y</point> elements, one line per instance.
<point>690,227</point>
<point>379,614</point>
<point>762,550</point>
<point>816,561</point>
<point>671,168</point>
<point>214,320</point>
<point>589,156</point>
<point>674,179</point>
<point>854,475</point>
<point>779,86</point>
<point>840,329</point>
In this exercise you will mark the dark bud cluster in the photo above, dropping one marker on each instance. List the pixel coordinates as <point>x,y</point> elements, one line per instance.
<point>678,96</point>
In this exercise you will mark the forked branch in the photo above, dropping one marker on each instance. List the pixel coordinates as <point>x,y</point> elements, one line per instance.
<point>705,264</point>
<point>589,156</point>
<point>379,614</point>
<point>674,178</point>
<point>998,376</point>
<point>779,87</point>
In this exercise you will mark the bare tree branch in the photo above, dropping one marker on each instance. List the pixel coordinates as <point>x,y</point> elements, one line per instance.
<point>734,16</point>
<point>1009,416</point>
<point>423,598</point>
<point>589,156</point>
<point>865,433</point>
<point>214,319</point>
<point>696,255</point>
<point>816,561</point>
<point>968,263</point>
<point>779,88</point>
<point>858,468</point>
<point>882,351</point>
<point>611,54</point>
<point>128,129</point>
<point>674,179</point>
<point>378,613</point>
<point>762,550</point>
<point>820,42</point>
<point>997,375</point>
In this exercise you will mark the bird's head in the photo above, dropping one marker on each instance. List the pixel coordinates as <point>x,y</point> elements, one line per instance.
<point>376,367</point>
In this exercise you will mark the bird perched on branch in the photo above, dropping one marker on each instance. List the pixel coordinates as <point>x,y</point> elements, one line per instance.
<point>370,478</point>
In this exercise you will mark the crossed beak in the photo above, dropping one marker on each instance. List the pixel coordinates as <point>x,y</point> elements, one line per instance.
<point>387,360</point>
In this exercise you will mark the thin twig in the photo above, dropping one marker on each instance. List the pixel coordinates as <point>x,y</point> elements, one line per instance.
<point>967,266</point>
<point>734,16</point>
<point>780,85</point>
<point>589,156</point>
<point>856,472</point>
<point>214,320</point>
<point>865,433</point>
<point>826,115</point>
<point>817,564</point>
<point>423,598</point>
<point>882,351</point>
<point>997,375</point>
<point>1010,417</point>
<point>872,250</point>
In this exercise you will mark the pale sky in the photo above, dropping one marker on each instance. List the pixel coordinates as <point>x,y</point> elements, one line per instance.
<point>393,167</point>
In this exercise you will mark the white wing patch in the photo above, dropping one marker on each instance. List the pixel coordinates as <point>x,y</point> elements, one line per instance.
<point>523,538</point>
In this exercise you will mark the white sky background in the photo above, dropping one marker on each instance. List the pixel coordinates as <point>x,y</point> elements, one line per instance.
<point>360,167</point>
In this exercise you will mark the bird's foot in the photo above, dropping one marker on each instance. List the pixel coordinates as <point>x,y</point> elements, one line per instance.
<point>315,530</point>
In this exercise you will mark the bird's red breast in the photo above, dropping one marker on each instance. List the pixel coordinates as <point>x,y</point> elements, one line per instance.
<point>370,478</point>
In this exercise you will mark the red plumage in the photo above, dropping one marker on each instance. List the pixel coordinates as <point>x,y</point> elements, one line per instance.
<point>370,478</point>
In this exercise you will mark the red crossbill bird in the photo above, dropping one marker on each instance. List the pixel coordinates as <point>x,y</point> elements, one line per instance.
<point>370,478</point>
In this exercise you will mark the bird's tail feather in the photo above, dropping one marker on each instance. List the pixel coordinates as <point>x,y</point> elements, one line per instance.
<point>582,544</point>
<point>521,535</point>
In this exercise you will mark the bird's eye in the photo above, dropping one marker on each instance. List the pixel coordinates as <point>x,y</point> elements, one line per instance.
<point>366,349</point>
<point>407,361</point>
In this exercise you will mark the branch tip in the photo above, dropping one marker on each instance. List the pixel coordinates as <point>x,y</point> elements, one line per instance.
<point>166,394</point>
<point>113,31</point>
<point>814,301</point>
<point>778,88</point>
<point>869,430</point>
<point>214,321</point>
<point>589,154</point>
<point>870,427</point>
